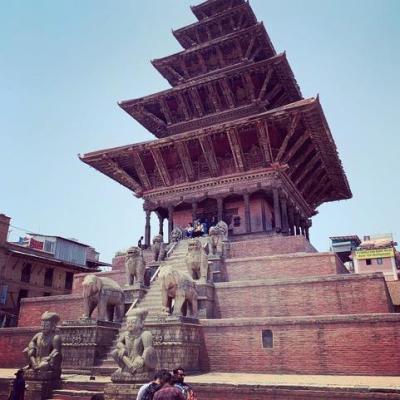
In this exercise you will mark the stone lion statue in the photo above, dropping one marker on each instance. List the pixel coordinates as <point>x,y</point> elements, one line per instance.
<point>158,247</point>
<point>196,260</point>
<point>135,266</point>
<point>134,351</point>
<point>215,240</point>
<point>103,292</point>
<point>181,288</point>
<point>223,229</point>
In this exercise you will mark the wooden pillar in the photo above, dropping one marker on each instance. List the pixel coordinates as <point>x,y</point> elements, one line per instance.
<point>170,221</point>
<point>220,208</point>
<point>147,229</point>
<point>307,232</point>
<point>161,224</point>
<point>277,211</point>
<point>285,220</point>
<point>291,221</point>
<point>247,221</point>
<point>194,211</point>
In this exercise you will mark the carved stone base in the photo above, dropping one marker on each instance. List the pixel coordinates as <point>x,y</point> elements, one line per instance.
<point>143,377</point>
<point>216,268</point>
<point>40,389</point>
<point>134,292</point>
<point>122,391</point>
<point>84,342</point>
<point>177,342</point>
<point>30,374</point>
<point>205,300</point>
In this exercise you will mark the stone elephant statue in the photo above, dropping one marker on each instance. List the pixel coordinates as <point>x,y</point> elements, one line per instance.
<point>135,266</point>
<point>181,288</point>
<point>196,260</point>
<point>106,295</point>
<point>159,249</point>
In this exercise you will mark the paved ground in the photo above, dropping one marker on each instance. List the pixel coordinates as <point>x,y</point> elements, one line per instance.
<point>372,382</point>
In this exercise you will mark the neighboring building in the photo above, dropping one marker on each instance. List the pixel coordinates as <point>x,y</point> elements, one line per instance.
<point>343,246</point>
<point>376,253</point>
<point>36,266</point>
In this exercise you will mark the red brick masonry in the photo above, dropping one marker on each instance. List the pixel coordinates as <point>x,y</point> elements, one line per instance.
<point>343,345</point>
<point>334,294</point>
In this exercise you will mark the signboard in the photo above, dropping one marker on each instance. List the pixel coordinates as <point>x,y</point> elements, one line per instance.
<point>375,253</point>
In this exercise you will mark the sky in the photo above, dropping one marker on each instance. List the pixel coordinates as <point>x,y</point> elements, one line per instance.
<point>64,65</point>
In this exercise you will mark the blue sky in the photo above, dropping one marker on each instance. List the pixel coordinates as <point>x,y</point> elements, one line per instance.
<point>64,65</point>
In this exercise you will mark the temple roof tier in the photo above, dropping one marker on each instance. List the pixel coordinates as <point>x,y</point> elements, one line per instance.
<point>294,139</point>
<point>247,45</point>
<point>217,98</point>
<point>210,8</point>
<point>224,23</point>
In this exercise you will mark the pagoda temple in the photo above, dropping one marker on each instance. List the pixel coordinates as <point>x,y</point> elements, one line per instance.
<point>235,138</point>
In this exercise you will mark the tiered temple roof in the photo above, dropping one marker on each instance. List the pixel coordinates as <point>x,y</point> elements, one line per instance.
<point>234,114</point>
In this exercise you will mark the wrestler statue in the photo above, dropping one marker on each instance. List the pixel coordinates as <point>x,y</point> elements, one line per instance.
<point>134,352</point>
<point>44,350</point>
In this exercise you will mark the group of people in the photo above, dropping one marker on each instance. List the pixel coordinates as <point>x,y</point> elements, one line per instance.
<point>167,386</point>
<point>199,227</point>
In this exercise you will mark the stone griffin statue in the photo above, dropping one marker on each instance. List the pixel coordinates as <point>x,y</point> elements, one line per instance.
<point>218,237</point>
<point>158,247</point>
<point>103,292</point>
<point>135,266</point>
<point>196,260</point>
<point>134,352</point>
<point>44,350</point>
<point>181,288</point>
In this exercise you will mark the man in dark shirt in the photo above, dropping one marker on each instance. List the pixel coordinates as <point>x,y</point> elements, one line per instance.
<point>179,382</point>
<point>168,392</point>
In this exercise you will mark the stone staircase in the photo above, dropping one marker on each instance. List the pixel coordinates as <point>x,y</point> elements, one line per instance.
<point>151,302</point>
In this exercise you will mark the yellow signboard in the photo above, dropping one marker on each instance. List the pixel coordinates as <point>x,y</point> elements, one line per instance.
<point>375,253</point>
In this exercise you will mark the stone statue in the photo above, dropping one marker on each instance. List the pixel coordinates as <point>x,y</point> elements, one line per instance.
<point>181,288</point>
<point>215,240</point>
<point>134,352</point>
<point>223,229</point>
<point>135,266</point>
<point>44,350</point>
<point>158,248</point>
<point>196,260</point>
<point>103,292</point>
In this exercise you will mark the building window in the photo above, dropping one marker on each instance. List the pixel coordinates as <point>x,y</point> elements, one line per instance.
<point>49,246</point>
<point>21,295</point>
<point>48,277</point>
<point>379,261</point>
<point>26,273</point>
<point>368,261</point>
<point>46,294</point>
<point>267,339</point>
<point>69,277</point>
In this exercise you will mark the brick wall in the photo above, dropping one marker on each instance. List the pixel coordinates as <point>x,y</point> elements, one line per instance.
<point>339,294</point>
<point>68,307</point>
<point>12,342</point>
<point>288,265</point>
<point>344,345</point>
<point>270,245</point>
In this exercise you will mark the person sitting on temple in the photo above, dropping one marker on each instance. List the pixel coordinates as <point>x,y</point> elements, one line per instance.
<point>134,352</point>
<point>139,243</point>
<point>197,231</point>
<point>44,350</point>
<point>189,230</point>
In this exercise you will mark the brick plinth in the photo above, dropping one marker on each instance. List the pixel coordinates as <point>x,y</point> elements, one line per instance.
<point>335,294</point>
<point>12,342</point>
<point>285,265</point>
<point>68,307</point>
<point>270,245</point>
<point>342,345</point>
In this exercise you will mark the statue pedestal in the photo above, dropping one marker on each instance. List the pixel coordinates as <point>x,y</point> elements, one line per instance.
<point>124,377</point>
<point>177,342</point>
<point>85,341</point>
<point>122,391</point>
<point>205,300</point>
<point>132,293</point>
<point>216,268</point>
<point>39,389</point>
